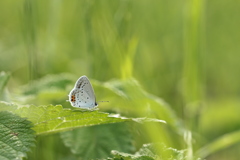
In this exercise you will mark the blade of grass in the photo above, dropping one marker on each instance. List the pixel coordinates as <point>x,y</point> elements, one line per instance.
<point>219,144</point>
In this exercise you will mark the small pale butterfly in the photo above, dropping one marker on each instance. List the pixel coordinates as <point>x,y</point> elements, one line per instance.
<point>82,95</point>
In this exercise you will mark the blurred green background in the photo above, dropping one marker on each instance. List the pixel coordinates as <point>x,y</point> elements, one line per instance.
<point>185,52</point>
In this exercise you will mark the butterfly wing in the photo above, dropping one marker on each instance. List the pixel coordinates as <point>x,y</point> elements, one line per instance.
<point>82,95</point>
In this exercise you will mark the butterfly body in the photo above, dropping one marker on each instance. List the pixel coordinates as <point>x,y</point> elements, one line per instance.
<point>82,95</point>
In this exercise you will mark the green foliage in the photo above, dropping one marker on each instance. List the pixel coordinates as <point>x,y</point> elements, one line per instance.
<point>130,98</point>
<point>51,82</point>
<point>98,141</point>
<point>224,116</point>
<point>129,92</point>
<point>219,144</point>
<point>148,152</point>
<point>145,153</point>
<point>89,142</point>
<point>52,119</point>
<point>16,136</point>
<point>171,60</point>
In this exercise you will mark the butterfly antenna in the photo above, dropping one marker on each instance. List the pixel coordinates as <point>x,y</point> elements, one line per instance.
<point>102,101</point>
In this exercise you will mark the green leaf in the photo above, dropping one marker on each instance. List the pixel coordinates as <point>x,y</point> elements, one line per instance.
<point>145,153</point>
<point>49,82</point>
<point>52,119</point>
<point>149,152</point>
<point>51,89</point>
<point>98,141</point>
<point>129,94</point>
<point>126,156</point>
<point>16,136</point>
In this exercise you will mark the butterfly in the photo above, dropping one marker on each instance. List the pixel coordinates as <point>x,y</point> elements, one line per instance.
<point>82,95</point>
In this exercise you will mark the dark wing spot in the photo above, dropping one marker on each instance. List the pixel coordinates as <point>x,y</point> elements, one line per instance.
<point>79,85</point>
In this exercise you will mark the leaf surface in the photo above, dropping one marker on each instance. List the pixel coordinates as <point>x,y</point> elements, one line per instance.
<point>149,152</point>
<point>98,141</point>
<point>52,119</point>
<point>16,136</point>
